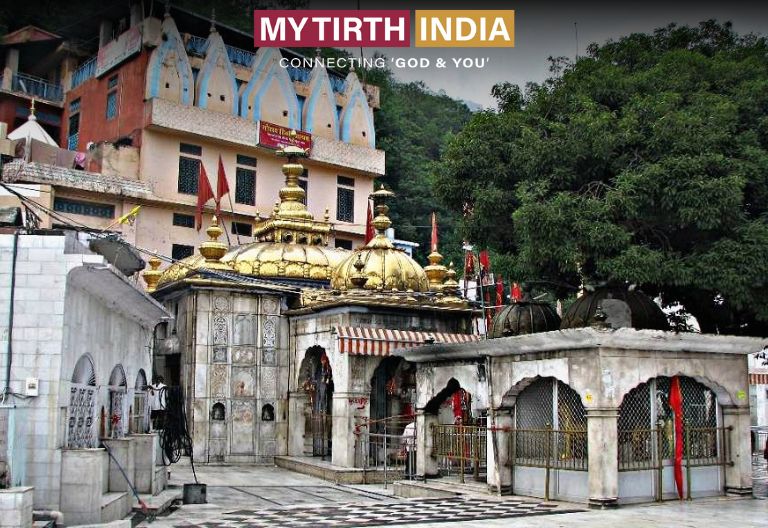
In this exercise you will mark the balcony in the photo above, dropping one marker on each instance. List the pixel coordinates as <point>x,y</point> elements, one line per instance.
<point>84,72</point>
<point>37,88</point>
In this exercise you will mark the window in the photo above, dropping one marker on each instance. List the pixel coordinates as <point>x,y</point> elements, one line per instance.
<point>345,199</point>
<point>343,244</point>
<point>74,124</point>
<point>245,180</point>
<point>195,150</point>
<point>183,220</point>
<point>65,205</point>
<point>304,184</point>
<point>242,228</point>
<point>180,251</point>
<point>112,97</point>
<point>189,168</point>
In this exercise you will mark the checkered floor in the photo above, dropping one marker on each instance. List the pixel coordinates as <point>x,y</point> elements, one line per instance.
<point>384,514</point>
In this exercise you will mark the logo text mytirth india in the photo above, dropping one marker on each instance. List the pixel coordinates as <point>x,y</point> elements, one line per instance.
<point>384,28</point>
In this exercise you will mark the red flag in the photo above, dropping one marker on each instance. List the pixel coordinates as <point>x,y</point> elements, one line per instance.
<point>370,232</point>
<point>499,293</point>
<point>222,187</point>
<point>434,233</point>
<point>676,403</point>
<point>469,265</point>
<point>485,267</point>
<point>204,193</point>
<point>516,293</point>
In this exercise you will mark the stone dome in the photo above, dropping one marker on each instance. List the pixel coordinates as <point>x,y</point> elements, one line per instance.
<point>379,265</point>
<point>524,317</point>
<point>622,308</point>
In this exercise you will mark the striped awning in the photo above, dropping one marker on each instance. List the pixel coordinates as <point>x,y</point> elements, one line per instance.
<point>758,378</point>
<point>381,341</point>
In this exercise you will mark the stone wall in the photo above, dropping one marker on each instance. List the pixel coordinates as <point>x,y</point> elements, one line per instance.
<point>235,364</point>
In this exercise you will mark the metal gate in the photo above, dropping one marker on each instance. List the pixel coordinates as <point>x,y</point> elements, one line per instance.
<point>321,434</point>
<point>460,449</point>
<point>82,410</point>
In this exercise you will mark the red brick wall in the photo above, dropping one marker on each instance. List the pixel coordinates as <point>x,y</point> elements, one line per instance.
<point>94,125</point>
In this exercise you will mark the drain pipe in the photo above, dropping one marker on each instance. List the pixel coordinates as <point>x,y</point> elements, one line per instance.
<point>57,516</point>
<point>7,388</point>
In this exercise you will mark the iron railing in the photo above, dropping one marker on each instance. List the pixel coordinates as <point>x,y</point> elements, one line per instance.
<point>549,448</point>
<point>387,446</point>
<point>84,72</point>
<point>460,448</point>
<point>642,449</point>
<point>197,46</point>
<point>37,87</point>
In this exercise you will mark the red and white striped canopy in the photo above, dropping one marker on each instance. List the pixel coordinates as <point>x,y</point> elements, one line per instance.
<point>380,341</point>
<point>756,378</point>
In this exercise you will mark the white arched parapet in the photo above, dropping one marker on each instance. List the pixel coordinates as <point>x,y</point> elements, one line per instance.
<point>269,94</point>
<point>169,72</point>
<point>216,86</point>
<point>319,114</point>
<point>356,121</point>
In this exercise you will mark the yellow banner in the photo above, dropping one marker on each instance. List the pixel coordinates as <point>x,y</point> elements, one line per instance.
<point>440,28</point>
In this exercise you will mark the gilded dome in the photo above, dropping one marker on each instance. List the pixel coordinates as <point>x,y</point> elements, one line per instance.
<point>289,244</point>
<point>524,317</point>
<point>379,265</point>
<point>285,260</point>
<point>621,308</point>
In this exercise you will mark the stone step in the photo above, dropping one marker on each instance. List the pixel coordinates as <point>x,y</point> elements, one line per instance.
<point>114,506</point>
<point>160,503</point>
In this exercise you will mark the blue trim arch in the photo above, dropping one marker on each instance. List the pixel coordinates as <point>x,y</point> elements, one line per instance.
<point>172,42</point>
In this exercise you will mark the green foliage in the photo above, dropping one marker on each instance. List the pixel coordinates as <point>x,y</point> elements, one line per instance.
<point>646,161</point>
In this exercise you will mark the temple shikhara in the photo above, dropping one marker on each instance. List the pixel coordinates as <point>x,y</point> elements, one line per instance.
<point>192,232</point>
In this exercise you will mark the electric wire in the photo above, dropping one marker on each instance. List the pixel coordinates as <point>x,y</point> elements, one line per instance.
<point>175,440</point>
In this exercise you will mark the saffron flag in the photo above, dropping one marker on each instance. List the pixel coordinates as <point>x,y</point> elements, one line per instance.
<point>130,216</point>
<point>204,193</point>
<point>434,233</point>
<point>485,267</point>
<point>676,403</point>
<point>222,187</point>
<point>516,292</point>
<point>369,231</point>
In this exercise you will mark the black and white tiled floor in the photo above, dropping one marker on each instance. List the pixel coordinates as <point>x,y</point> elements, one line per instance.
<point>379,514</point>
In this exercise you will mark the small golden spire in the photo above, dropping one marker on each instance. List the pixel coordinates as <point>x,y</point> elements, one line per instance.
<point>381,222</point>
<point>152,275</point>
<point>32,116</point>
<point>358,278</point>
<point>213,250</point>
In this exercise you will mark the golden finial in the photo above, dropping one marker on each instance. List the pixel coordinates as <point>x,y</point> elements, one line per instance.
<point>450,288</point>
<point>152,275</point>
<point>213,19</point>
<point>213,250</point>
<point>32,116</point>
<point>358,279</point>
<point>327,214</point>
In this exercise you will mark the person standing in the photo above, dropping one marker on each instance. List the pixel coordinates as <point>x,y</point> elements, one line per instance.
<point>157,403</point>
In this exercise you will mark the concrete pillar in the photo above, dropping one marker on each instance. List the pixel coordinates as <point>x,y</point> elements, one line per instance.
<point>145,447</point>
<point>11,67</point>
<point>602,438</point>
<point>426,464</point>
<point>123,455</point>
<point>16,507</point>
<point>298,403</point>
<point>738,477</point>
<point>349,409</point>
<point>83,482</point>
<point>501,479</point>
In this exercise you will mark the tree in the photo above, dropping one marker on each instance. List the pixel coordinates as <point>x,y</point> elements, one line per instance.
<point>645,161</point>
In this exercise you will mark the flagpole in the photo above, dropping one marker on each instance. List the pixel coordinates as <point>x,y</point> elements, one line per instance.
<point>232,208</point>
<point>224,226</point>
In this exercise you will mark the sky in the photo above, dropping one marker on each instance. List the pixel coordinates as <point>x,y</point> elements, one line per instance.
<point>544,29</point>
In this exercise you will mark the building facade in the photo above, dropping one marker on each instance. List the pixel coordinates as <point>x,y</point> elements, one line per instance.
<point>168,92</point>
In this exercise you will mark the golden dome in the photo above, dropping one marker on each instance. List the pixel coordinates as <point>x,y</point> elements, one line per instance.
<point>209,258</point>
<point>383,266</point>
<point>285,260</point>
